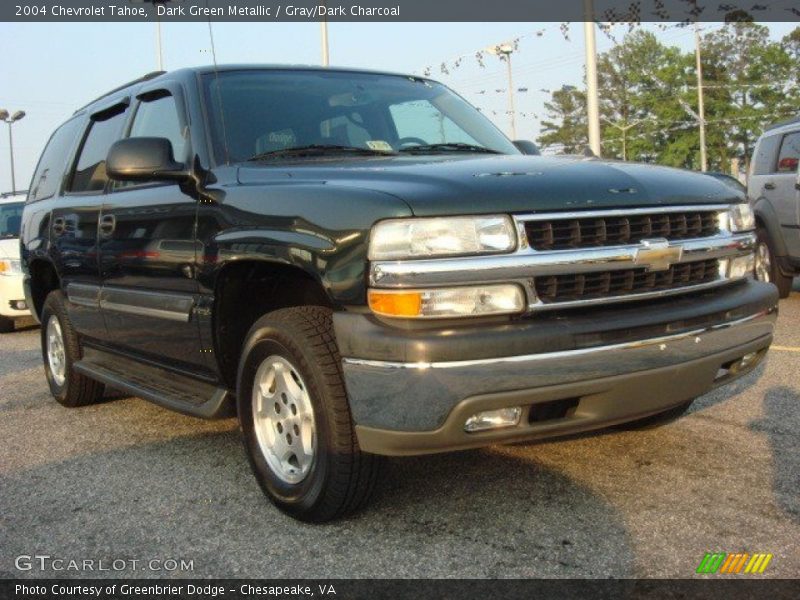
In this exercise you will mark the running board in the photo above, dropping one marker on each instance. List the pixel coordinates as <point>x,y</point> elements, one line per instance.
<point>161,386</point>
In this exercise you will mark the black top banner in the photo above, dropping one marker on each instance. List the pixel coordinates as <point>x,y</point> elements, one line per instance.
<point>606,11</point>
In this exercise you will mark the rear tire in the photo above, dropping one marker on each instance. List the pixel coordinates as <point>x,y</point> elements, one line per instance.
<point>766,265</point>
<point>61,349</point>
<point>661,418</point>
<point>295,417</point>
<point>6,325</point>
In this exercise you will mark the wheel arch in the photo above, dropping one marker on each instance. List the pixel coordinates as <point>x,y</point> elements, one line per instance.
<point>44,279</point>
<point>247,289</point>
<point>767,218</point>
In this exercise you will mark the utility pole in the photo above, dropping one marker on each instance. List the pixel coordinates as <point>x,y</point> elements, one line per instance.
<point>701,111</point>
<point>592,101</point>
<point>324,33</point>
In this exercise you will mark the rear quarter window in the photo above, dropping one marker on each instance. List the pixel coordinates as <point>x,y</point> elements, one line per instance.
<point>789,155</point>
<point>54,160</point>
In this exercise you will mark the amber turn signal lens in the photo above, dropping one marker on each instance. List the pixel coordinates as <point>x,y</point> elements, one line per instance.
<point>397,305</point>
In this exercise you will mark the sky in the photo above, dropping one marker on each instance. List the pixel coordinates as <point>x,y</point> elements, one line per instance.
<point>51,69</point>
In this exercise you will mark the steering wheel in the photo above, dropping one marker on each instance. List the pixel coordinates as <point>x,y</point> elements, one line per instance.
<point>411,140</point>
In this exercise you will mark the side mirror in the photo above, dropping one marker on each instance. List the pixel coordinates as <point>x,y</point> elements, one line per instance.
<point>527,147</point>
<point>144,159</point>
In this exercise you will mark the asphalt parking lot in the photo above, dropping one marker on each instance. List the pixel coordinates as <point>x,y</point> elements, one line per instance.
<point>128,480</point>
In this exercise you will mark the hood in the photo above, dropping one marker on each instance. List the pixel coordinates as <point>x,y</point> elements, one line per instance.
<point>9,248</point>
<point>448,184</point>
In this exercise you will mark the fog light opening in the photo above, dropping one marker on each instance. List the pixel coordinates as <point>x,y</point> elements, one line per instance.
<point>735,366</point>
<point>19,305</point>
<point>493,419</point>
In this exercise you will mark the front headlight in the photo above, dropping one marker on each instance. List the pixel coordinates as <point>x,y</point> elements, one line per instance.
<point>738,218</point>
<point>442,236</point>
<point>10,267</point>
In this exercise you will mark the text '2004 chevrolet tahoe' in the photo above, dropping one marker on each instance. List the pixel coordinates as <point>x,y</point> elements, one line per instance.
<point>360,264</point>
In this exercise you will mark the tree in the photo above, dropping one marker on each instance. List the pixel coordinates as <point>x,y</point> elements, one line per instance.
<point>746,77</point>
<point>641,81</point>
<point>648,97</point>
<point>566,125</point>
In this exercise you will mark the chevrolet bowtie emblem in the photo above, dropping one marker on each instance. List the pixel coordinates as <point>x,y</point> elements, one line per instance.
<point>657,254</point>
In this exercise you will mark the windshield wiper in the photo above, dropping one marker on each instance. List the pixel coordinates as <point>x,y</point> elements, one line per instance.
<point>318,150</point>
<point>449,147</point>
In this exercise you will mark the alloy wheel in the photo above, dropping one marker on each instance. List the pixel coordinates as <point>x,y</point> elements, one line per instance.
<point>56,355</point>
<point>283,419</point>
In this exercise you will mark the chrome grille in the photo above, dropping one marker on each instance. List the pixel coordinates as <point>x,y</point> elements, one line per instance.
<point>623,282</point>
<point>613,230</point>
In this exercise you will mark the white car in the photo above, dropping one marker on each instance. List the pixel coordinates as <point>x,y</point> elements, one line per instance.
<point>12,297</point>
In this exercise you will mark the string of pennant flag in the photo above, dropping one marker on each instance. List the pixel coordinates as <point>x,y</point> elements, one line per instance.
<point>610,20</point>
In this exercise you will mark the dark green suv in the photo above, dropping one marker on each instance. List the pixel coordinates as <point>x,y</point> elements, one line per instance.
<point>360,264</point>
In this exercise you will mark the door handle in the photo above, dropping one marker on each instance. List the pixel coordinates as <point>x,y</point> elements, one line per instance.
<point>797,185</point>
<point>769,186</point>
<point>108,223</point>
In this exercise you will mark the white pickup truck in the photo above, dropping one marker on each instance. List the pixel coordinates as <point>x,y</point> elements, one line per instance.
<point>12,298</point>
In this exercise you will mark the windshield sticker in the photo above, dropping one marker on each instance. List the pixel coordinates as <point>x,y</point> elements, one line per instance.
<point>379,145</point>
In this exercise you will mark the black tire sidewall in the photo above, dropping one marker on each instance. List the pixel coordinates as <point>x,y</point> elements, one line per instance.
<point>777,278</point>
<point>265,342</point>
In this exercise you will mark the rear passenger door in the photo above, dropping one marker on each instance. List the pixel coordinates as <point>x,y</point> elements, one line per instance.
<point>147,249</point>
<point>74,220</point>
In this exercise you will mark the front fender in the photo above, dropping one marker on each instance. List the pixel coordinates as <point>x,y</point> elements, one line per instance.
<point>322,230</point>
<point>766,214</point>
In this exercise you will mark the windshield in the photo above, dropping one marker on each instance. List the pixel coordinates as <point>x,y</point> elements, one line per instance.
<point>10,219</point>
<point>261,112</point>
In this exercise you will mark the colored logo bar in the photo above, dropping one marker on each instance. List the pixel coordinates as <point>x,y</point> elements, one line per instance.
<point>742,562</point>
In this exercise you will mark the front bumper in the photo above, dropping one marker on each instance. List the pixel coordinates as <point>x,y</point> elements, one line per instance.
<point>12,293</point>
<point>418,405</point>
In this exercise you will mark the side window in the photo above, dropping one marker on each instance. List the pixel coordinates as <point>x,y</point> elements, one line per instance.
<point>90,172</point>
<point>789,156</point>
<point>50,170</point>
<point>421,119</point>
<point>159,118</point>
<point>764,157</point>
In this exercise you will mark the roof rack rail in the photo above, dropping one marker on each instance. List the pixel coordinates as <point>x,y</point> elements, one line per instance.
<point>783,123</point>
<point>143,78</point>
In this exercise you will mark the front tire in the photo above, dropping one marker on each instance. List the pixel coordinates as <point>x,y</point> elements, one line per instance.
<point>61,349</point>
<point>6,325</point>
<point>295,417</point>
<point>766,266</point>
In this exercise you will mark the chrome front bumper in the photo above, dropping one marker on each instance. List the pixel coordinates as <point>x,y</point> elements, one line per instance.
<point>420,407</point>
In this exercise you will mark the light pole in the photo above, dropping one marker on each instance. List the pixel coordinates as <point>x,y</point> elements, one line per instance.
<point>624,128</point>
<point>10,120</point>
<point>504,51</point>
